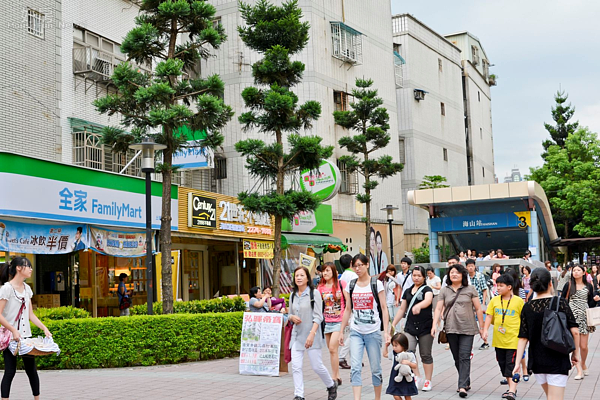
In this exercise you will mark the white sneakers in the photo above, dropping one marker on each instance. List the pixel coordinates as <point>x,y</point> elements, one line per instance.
<point>427,386</point>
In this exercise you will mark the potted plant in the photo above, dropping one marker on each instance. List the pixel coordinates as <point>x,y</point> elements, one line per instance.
<point>492,80</point>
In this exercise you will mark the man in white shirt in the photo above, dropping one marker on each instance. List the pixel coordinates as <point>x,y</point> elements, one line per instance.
<point>347,276</point>
<point>404,277</point>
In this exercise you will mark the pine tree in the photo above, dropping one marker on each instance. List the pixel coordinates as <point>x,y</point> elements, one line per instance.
<point>277,33</point>
<point>433,182</point>
<point>370,120</point>
<point>158,105</point>
<point>561,114</point>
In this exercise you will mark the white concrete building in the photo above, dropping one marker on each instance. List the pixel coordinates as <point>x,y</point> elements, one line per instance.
<point>62,54</point>
<point>430,113</point>
<point>332,65</point>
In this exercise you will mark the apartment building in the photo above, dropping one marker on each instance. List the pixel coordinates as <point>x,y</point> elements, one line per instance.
<point>442,102</point>
<point>347,41</point>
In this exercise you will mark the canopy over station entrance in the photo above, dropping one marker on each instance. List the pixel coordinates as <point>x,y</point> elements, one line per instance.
<point>514,217</point>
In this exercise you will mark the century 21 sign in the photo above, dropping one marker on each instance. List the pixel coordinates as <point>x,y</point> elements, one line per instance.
<point>202,211</point>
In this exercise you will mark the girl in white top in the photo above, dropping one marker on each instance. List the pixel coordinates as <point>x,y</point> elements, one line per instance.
<point>15,314</point>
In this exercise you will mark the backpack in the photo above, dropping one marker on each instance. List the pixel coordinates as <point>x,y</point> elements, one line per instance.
<point>555,333</point>
<point>312,306</point>
<point>375,295</point>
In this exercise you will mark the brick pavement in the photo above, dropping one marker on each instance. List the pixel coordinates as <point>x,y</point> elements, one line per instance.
<point>219,379</point>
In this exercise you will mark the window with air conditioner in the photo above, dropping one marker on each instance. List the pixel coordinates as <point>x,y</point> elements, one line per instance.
<point>348,180</point>
<point>346,43</point>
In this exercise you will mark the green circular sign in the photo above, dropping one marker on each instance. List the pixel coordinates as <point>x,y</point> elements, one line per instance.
<point>324,181</point>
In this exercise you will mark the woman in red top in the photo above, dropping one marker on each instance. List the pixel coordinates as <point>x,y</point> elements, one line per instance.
<point>332,291</point>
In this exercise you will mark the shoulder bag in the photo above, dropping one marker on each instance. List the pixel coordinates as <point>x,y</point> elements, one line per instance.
<point>442,337</point>
<point>555,333</point>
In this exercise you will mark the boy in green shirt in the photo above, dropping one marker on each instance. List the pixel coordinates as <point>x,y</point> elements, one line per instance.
<point>504,311</point>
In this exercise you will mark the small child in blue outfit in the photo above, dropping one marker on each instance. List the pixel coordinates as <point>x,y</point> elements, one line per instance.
<point>403,388</point>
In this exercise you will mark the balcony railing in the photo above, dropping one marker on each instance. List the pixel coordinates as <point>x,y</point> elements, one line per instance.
<point>96,64</point>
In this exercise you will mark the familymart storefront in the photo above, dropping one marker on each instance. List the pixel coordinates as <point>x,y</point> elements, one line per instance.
<point>80,228</point>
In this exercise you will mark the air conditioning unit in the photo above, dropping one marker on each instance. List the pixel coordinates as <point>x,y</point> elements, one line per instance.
<point>420,94</point>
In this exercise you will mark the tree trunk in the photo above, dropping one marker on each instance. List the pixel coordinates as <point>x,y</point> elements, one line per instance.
<point>278,222</point>
<point>368,226</point>
<point>165,235</point>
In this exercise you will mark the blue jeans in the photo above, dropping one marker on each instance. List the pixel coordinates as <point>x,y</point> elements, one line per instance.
<point>372,342</point>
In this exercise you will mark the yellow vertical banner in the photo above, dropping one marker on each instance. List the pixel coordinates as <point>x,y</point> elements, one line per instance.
<point>174,274</point>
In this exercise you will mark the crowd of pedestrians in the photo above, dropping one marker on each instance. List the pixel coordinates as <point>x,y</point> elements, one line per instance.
<point>355,313</point>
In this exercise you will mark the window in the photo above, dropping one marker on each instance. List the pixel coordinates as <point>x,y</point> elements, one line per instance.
<point>443,108</point>
<point>342,100</point>
<point>402,151</point>
<point>96,57</point>
<point>398,73</point>
<point>445,154</point>
<point>347,43</point>
<point>89,151</point>
<point>348,180</point>
<point>35,23</point>
<point>216,22</point>
<point>481,133</point>
<point>483,171</point>
<point>475,54</point>
<point>479,96</point>
<point>397,47</point>
<point>220,170</point>
<point>440,65</point>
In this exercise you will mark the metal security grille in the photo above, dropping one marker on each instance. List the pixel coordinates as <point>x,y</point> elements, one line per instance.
<point>347,43</point>
<point>398,72</point>
<point>348,181</point>
<point>35,23</point>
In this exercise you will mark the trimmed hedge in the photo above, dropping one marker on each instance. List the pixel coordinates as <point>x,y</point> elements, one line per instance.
<point>220,305</point>
<point>59,313</point>
<point>142,340</point>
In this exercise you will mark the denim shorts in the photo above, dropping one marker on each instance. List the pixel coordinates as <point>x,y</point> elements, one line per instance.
<point>331,327</point>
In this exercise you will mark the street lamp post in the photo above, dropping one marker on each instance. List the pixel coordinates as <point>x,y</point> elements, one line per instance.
<point>148,147</point>
<point>390,218</point>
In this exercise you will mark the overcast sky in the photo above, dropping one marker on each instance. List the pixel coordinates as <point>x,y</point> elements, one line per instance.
<point>535,46</point>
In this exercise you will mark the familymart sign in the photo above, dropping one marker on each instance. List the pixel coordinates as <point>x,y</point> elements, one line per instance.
<point>59,192</point>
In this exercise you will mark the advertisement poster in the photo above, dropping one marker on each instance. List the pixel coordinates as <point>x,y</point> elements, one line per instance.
<point>258,249</point>
<point>379,249</point>
<point>308,262</point>
<point>324,181</point>
<point>261,344</point>
<point>21,237</point>
<point>174,274</point>
<point>118,243</point>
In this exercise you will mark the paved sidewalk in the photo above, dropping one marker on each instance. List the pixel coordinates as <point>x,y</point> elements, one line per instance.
<point>219,379</point>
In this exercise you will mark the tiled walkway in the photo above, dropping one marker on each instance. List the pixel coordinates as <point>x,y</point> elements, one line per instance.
<point>220,380</point>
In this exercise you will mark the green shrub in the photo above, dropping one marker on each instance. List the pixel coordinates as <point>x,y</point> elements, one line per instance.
<point>220,305</point>
<point>58,313</point>
<point>286,296</point>
<point>141,340</point>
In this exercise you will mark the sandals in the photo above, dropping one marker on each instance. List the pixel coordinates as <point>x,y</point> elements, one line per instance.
<point>463,393</point>
<point>526,378</point>
<point>508,395</point>
<point>504,382</point>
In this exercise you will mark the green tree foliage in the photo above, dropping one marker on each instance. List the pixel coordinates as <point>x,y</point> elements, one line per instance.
<point>421,254</point>
<point>168,99</point>
<point>571,178</point>
<point>370,121</point>
<point>561,114</point>
<point>277,33</point>
<point>433,182</point>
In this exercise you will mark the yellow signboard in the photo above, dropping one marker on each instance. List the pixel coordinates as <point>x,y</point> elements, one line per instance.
<point>524,218</point>
<point>174,274</point>
<point>258,249</point>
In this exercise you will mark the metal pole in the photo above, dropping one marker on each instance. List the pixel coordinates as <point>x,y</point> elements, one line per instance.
<point>149,283</point>
<point>391,242</point>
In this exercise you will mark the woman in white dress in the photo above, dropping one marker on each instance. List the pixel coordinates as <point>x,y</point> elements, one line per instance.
<point>15,314</point>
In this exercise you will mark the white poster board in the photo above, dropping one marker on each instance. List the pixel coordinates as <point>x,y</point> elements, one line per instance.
<point>261,344</point>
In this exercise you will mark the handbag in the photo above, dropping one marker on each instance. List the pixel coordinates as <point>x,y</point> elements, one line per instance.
<point>125,303</point>
<point>442,337</point>
<point>555,333</point>
<point>6,335</point>
<point>593,316</point>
